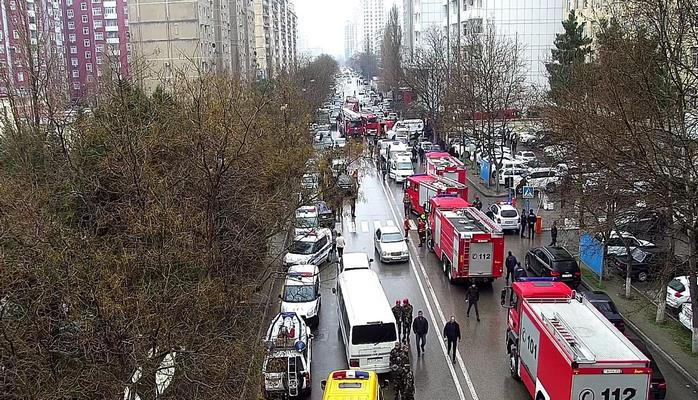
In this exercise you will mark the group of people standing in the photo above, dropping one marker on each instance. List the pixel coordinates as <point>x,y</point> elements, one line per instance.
<point>403,378</point>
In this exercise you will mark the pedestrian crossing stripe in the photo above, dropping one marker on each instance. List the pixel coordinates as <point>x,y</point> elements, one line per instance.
<point>364,226</point>
<point>369,226</point>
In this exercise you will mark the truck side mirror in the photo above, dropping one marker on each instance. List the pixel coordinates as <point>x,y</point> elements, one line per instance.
<point>323,383</point>
<point>506,297</point>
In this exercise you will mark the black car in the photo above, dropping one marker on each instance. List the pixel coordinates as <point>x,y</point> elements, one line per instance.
<point>658,383</point>
<point>644,263</point>
<point>603,302</point>
<point>554,261</point>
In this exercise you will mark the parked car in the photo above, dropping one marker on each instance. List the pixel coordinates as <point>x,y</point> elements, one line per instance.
<point>677,292</point>
<point>525,156</point>
<point>542,179</point>
<point>554,261</point>
<point>657,382</point>
<point>643,263</point>
<point>506,216</point>
<point>603,302</point>
<point>301,292</point>
<point>390,244</point>
<point>647,224</point>
<point>686,315</point>
<point>617,240</point>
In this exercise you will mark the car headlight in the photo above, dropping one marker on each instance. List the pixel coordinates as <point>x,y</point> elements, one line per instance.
<point>384,253</point>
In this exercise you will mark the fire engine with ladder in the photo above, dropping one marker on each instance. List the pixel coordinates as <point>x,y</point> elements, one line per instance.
<point>443,164</point>
<point>562,348</point>
<point>286,368</point>
<point>422,187</point>
<point>468,244</point>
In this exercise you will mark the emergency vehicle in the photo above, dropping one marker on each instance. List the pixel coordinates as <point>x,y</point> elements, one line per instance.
<point>301,293</point>
<point>443,164</point>
<point>351,384</point>
<point>561,347</point>
<point>352,103</point>
<point>372,125</point>
<point>352,123</point>
<point>422,187</point>
<point>468,244</point>
<point>286,367</point>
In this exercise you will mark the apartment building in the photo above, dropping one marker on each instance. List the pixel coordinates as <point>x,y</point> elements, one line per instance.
<point>276,37</point>
<point>350,40</point>
<point>531,24</point>
<point>372,25</point>
<point>96,41</point>
<point>420,16</point>
<point>242,34</point>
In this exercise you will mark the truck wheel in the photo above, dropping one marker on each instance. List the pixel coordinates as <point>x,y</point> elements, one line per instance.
<point>514,363</point>
<point>451,280</point>
<point>430,245</point>
<point>443,265</point>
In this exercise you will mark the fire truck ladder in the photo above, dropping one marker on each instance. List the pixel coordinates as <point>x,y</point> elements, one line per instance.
<point>566,336</point>
<point>292,376</point>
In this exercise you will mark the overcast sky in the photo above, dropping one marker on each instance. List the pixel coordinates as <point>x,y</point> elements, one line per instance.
<point>321,23</point>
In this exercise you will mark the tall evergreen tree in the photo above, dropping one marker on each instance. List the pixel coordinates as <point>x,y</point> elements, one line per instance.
<point>570,52</point>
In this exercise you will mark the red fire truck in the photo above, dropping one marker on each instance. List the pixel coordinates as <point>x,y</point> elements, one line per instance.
<point>562,348</point>
<point>422,187</point>
<point>352,123</point>
<point>468,244</point>
<point>443,164</point>
<point>352,103</point>
<point>371,123</point>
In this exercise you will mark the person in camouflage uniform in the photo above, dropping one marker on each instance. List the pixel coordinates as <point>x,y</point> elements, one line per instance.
<point>397,313</point>
<point>395,355</point>
<point>407,389</point>
<point>398,376</point>
<point>406,319</point>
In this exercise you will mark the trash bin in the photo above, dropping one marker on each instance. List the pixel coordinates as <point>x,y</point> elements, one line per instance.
<point>539,224</point>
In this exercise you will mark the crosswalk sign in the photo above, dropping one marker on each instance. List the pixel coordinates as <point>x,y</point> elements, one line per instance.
<point>528,192</point>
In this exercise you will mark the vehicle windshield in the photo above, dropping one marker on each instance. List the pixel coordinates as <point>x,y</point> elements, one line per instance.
<point>299,294</point>
<point>300,247</point>
<point>605,307</point>
<point>509,213</point>
<point>566,266</point>
<point>374,333</point>
<point>372,120</point>
<point>677,285</point>
<point>354,124</point>
<point>404,165</point>
<point>392,237</point>
<point>307,222</point>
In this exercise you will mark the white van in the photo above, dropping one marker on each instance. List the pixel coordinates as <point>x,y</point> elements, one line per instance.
<point>366,321</point>
<point>400,168</point>
<point>352,261</point>
<point>301,292</point>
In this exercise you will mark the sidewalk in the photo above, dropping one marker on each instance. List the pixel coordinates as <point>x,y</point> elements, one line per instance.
<point>670,340</point>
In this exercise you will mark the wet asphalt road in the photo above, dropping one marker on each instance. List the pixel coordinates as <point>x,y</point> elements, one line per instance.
<point>481,370</point>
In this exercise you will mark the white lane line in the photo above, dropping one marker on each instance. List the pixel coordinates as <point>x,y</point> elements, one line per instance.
<point>364,226</point>
<point>389,223</point>
<point>414,256</point>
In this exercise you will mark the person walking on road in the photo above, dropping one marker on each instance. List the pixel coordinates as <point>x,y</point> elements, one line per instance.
<point>524,221</point>
<point>531,224</point>
<point>519,272</point>
<point>472,296</point>
<point>510,264</point>
<point>406,320</point>
<point>406,226</point>
<point>406,204</point>
<point>340,245</point>
<point>398,370</point>
<point>421,155</point>
<point>353,206</point>
<point>477,203</point>
<point>421,230</point>
<point>397,313</point>
<point>420,327</point>
<point>407,389</point>
<point>452,336</point>
<point>553,234</point>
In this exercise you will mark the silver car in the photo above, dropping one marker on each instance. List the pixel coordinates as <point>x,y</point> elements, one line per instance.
<point>390,245</point>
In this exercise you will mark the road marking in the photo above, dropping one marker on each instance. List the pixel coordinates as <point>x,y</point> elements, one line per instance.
<point>364,226</point>
<point>376,225</point>
<point>351,226</point>
<point>414,256</point>
<point>390,222</point>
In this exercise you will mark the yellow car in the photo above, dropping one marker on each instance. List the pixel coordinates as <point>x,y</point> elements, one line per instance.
<point>352,384</point>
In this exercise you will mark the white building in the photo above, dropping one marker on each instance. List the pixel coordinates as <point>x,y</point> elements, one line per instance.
<point>418,16</point>
<point>350,40</point>
<point>532,24</point>
<point>372,24</point>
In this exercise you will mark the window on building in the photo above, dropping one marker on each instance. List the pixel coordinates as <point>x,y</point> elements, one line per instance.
<point>99,48</point>
<point>71,38</point>
<point>96,1</point>
<point>84,19</point>
<point>83,6</point>
<point>15,34</point>
<point>76,85</point>
<point>96,11</point>
<point>86,42</point>
<point>74,62</point>
<point>110,22</point>
<point>69,13</point>
<point>97,23</point>
<point>112,35</point>
<point>99,35</point>
<point>99,60</point>
<point>85,30</point>
<point>88,55</point>
<point>88,67</point>
<point>69,3</point>
<point>20,76</point>
<point>71,25</point>
<point>13,5</point>
<point>76,73</point>
<point>73,50</point>
<point>109,10</point>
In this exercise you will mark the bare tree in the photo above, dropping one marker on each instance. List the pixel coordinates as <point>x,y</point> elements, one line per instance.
<point>391,73</point>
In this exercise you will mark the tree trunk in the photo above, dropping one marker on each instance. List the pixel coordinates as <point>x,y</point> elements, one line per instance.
<point>661,303</point>
<point>693,285</point>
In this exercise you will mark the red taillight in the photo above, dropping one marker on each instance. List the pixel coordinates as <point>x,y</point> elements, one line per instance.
<point>662,385</point>
<point>554,273</point>
<point>354,363</point>
<point>308,379</point>
<point>678,294</point>
<point>577,273</point>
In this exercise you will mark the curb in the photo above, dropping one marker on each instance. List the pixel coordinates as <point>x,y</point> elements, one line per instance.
<point>666,356</point>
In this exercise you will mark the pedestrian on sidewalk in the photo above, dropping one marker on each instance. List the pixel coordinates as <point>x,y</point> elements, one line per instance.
<point>421,230</point>
<point>420,326</point>
<point>340,245</point>
<point>421,155</point>
<point>553,234</point>
<point>406,204</point>
<point>414,154</point>
<point>531,224</point>
<point>510,264</point>
<point>477,203</point>
<point>472,296</point>
<point>406,320</point>
<point>353,206</point>
<point>452,336</point>
<point>397,313</point>
<point>523,220</point>
<point>406,225</point>
<point>519,272</point>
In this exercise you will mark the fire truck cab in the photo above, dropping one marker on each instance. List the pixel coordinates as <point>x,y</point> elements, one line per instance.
<point>352,123</point>
<point>468,244</point>
<point>371,124</point>
<point>443,164</point>
<point>561,347</point>
<point>422,187</point>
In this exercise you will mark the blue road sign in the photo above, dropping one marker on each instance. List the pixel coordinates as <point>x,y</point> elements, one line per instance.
<point>528,192</point>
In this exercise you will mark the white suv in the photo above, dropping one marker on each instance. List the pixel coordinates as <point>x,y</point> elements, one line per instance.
<point>677,292</point>
<point>313,247</point>
<point>506,216</point>
<point>301,292</point>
